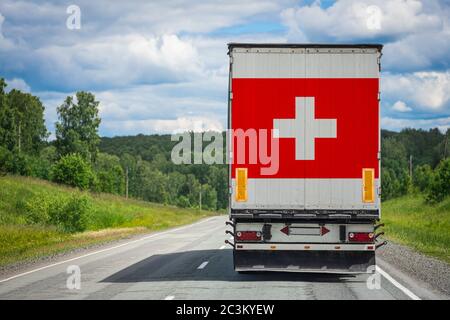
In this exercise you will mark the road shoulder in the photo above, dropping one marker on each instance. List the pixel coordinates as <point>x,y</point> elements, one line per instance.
<point>428,277</point>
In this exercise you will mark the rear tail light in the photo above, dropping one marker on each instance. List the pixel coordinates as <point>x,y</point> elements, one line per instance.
<point>360,236</point>
<point>248,236</point>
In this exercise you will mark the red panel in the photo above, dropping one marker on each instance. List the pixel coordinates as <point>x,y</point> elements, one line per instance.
<point>353,102</point>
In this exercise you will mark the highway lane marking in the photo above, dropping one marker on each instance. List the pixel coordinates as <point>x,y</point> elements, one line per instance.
<point>203,265</point>
<point>103,250</point>
<point>222,247</point>
<point>397,284</point>
<point>169,298</point>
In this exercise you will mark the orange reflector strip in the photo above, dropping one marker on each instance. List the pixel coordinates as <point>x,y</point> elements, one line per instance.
<point>368,177</point>
<point>241,184</point>
<point>273,247</point>
<point>307,247</point>
<point>337,247</point>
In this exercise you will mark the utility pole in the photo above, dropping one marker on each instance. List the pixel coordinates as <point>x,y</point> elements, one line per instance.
<point>200,196</point>
<point>20,133</point>
<point>410,165</point>
<point>126,182</point>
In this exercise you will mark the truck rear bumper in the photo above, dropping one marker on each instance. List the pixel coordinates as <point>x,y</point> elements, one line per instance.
<point>305,261</point>
<point>306,246</point>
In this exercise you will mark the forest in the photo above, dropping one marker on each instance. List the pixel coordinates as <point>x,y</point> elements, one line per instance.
<point>413,160</point>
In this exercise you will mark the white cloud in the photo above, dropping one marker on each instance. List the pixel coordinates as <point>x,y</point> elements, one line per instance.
<point>428,91</point>
<point>160,65</point>
<point>149,108</point>
<point>179,125</point>
<point>4,42</point>
<point>400,106</point>
<point>188,16</point>
<point>38,22</point>
<point>351,19</point>
<point>17,83</point>
<point>416,33</point>
<point>117,60</point>
<point>397,124</point>
<point>419,51</point>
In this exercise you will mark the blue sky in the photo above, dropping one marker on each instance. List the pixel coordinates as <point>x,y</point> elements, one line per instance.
<point>160,66</point>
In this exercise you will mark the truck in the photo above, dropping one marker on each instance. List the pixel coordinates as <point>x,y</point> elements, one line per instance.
<point>304,157</point>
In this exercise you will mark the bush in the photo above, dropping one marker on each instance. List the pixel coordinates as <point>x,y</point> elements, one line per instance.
<point>440,185</point>
<point>73,170</point>
<point>183,202</point>
<point>70,214</point>
<point>38,209</point>
<point>15,162</point>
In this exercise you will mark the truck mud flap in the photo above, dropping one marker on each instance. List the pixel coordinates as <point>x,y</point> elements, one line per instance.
<point>305,261</point>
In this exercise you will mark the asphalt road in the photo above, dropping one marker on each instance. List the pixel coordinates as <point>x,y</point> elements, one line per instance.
<point>191,262</point>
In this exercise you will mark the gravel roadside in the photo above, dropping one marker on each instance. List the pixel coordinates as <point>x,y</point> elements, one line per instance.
<point>434,272</point>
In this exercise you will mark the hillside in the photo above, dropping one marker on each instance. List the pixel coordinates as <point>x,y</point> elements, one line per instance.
<point>412,222</point>
<point>39,218</point>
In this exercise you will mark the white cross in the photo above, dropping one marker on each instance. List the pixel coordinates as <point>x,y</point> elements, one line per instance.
<point>304,128</point>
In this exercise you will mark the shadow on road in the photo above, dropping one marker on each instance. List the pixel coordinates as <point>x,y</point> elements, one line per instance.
<point>183,266</point>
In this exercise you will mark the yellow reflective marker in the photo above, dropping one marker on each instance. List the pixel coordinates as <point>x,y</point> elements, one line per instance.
<point>241,184</point>
<point>368,185</point>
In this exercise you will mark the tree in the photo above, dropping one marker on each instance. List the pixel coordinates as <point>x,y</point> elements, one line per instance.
<point>41,165</point>
<point>218,179</point>
<point>175,183</point>
<point>22,124</point>
<point>440,186</point>
<point>30,131</point>
<point>7,127</point>
<point>77,128</point>
<point>209,197</point>
<point>110,175</point>
<point>73,170</point>
<point>422,177</point>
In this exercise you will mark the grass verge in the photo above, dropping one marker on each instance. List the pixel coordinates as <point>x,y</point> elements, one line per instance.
<point>412,222</point>
<point>110,217</point>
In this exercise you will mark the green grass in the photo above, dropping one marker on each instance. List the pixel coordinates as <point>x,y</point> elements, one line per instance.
<point>412,222</point>
<point>110,217</point>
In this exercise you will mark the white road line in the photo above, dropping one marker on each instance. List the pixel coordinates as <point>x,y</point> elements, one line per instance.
<point>222,247</point>
<point>103,250</point>
<point>397,284</point>
<point>169,298</point>
<point>203,265</point>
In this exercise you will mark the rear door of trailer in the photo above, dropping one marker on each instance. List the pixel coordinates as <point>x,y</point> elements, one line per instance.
<point>322,105</point>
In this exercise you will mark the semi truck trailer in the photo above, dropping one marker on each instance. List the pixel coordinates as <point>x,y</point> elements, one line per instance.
<point>304,157</point>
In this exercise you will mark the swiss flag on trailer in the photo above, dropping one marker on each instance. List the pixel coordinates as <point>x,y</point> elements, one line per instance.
<point>326,128</point>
